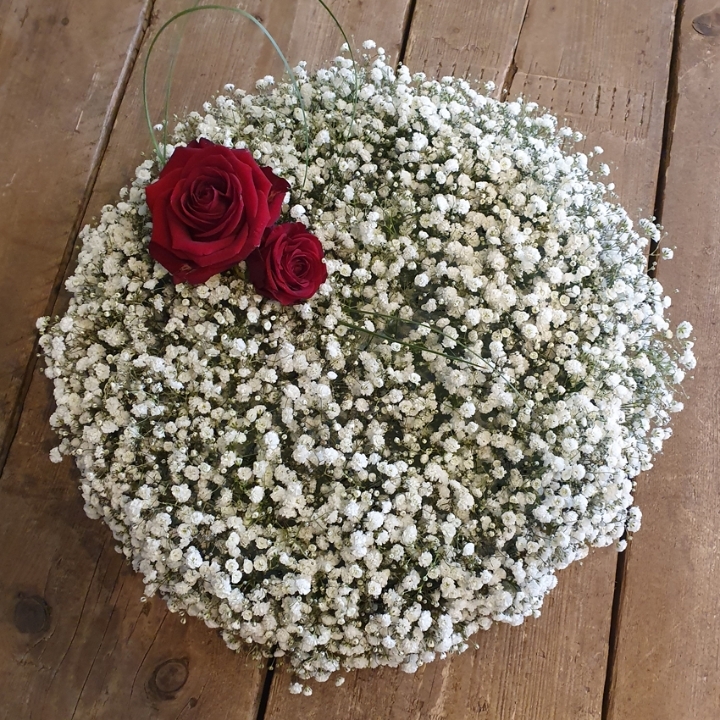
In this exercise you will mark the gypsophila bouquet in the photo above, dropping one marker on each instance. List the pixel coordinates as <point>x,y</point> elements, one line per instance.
<point>377,387</point>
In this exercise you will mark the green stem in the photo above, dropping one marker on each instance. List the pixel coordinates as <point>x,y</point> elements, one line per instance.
<point>437,331</point>
<point>356,89</point>
<point>169,79</point>
<point>243,13</point>
<point>411,346</point>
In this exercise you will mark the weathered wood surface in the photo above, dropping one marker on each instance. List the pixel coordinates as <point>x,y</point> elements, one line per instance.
<point>75,640</point>
<point>517,672</point>
<point>472,40</point>
<point>668,656</point>
<point>62,66</point>
<point>559,54</point>
<point>604,65</point>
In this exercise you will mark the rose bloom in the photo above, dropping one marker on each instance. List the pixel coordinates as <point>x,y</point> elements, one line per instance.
<point>288,266</point>
<point>210,207</point>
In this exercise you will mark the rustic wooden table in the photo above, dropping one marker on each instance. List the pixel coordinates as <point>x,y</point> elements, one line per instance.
<point>628,637</point>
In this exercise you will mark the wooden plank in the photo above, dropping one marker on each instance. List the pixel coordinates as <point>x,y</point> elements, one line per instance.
<point>554,667</point>
<point>476,41</point>
<point>603,66</point>
<point>516,672</point>
<point>668,653</point>
<point>75,640</point>
<point>61,64</point>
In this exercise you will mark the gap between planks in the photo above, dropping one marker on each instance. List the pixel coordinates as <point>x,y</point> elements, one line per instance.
<point>512,65</point>
<point>668,130</point>
<point>96,162</point>
<point>406,30</point>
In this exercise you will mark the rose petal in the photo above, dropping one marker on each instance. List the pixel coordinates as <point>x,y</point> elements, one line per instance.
<point>158,193</point>
<point>211,206</point>
<point>278,188</point>
<point>210,224</point>
<point>288,266</point>
<point>177,267</point>
<point>231,247</point>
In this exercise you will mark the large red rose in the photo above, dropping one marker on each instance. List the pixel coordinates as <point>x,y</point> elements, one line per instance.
<point>288,266</point>
<point>210,207</point>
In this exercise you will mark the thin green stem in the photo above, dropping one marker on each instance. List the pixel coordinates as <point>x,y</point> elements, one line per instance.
<point>161,153</point>
<point>417,323</point>
<point>356,89</point>
<point>171,72</point>
<point>411,346</point>
<point>438,331</point>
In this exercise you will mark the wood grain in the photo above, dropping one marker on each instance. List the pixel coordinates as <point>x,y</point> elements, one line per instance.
<point>555,667</point>
<point>668,654</point>
<point>604,66</point>
<point>516,672</point>
<point>61,67</point>
<point>472,40</point>
<point>75,640</point>
<point>99,650</point>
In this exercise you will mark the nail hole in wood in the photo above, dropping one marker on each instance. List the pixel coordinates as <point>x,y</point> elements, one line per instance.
<point>32,614</point>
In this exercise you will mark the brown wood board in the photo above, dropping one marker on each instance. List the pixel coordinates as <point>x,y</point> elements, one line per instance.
<point>517,672</point>
<point>75,640</point>
<point>603,67</point>
<point>474,40</point>
<point>554,667</point>
<point>668,652</point>
<point>62,66</point>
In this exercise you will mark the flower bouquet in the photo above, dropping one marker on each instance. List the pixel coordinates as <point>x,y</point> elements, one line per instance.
<point>358,361</point>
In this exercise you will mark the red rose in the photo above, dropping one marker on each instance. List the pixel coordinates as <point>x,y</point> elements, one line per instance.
<point>288,266</point>
<point>210,207</point>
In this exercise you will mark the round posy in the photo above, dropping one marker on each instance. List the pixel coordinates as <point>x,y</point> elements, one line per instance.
<point>370,477</point>
<point>288,266</point>
<point>210,206</point>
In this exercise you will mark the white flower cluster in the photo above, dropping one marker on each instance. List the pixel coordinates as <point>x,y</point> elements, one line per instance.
<point>373,476</point>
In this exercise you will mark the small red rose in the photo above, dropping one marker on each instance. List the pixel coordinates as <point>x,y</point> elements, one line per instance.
<point>288,266</point>
<point>210,207</point>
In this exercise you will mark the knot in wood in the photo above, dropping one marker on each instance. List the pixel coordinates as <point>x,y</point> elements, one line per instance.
<point>169,677</point>
<point>708,23</point>
<point>32,614</point>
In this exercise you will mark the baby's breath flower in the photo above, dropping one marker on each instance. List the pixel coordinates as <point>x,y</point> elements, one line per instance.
<point>373,476</point>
